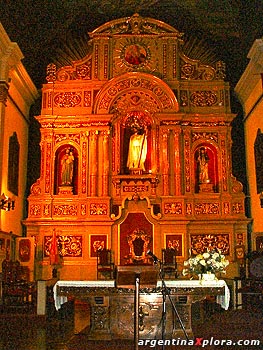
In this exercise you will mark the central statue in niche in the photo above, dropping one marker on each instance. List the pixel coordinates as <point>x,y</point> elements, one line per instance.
<point>137,149</point>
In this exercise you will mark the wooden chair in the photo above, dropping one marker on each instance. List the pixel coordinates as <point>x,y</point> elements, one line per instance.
<point>249,285</point>
<point>169,265</point>
<point>17,290</point>
<point>105,264</point>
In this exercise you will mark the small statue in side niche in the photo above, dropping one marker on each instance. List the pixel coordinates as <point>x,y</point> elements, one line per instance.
<point>202,162</point>
<point>67,164</point>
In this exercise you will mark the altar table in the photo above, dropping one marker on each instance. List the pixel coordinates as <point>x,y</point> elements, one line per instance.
<point>112,308</point>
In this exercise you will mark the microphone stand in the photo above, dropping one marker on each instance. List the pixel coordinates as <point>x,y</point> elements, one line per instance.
<point>165,293</point>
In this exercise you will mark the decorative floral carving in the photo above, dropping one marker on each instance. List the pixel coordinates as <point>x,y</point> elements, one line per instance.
<point>63,75</point>
<point>87,98</point>
<point>240,238</point>
<point>68,245</point>
<point>207,208</point>
<point>48,168</point>
<point>202,242</point>
<point>173,208</point>
<point>96,61</point>
<point>205,135</point>
<point>187,71</point>
<point>72,137</point>
<point>98,209</point>
<point>67,99</point>
<point>203,98</point>
<point>189,209</point>
<point>237,208</point>
<point>139,100</point>
<point>80,72</point>
<point>184,98</point>
<point>65,210</point>
<point>46,211</point>
<point>193,70</point>
<point>84,71</point>
<point>51,73</point>
<point>35,210</point>
<point>83,209</point>
<point>72,124</point>
<point>158,97</point>
<point>226,206</point>
<point>35,188</point>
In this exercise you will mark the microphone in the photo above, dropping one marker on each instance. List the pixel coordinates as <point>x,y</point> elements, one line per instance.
<point>154,257</point>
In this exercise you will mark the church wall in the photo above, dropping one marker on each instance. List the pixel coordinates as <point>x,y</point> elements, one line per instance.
<point>249,92</point>
<point>17,94</point>
<point>252,125</point>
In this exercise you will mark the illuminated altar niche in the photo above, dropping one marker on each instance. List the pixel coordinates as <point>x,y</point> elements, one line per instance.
<point>212,185</point>
<point>128,122</point>
<point>58,168</point>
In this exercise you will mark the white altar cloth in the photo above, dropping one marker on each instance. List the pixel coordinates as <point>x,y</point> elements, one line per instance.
<point>223,299</point>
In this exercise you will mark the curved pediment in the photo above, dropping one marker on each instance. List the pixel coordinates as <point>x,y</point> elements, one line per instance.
<point>135,25</point>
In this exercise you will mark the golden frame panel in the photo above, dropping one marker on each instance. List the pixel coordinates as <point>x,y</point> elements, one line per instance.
<point>175,241</point>
<point>97,241</point>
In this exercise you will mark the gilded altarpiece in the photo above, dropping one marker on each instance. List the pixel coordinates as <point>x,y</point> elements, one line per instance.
<point>136,127</point>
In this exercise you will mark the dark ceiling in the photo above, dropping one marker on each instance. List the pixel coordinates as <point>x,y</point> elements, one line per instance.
<point>221,29</point>
<point>41,28</point>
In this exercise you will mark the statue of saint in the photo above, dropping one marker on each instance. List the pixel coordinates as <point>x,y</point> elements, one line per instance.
<point>137,150</point>
<point>67,163</point>
<point>202,161</point>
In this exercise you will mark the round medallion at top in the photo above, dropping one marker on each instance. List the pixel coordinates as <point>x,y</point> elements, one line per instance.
<point>135,54</point>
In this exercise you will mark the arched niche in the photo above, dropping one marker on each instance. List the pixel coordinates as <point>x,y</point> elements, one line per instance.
<point>139,96</point>
<point>135,229</point>
<point>66,170</point>
<point>159,95</point>
<point>136,122</point>
<point>206,168</point>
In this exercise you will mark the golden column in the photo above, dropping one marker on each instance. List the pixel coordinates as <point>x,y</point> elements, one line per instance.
<point>177,165</point>
<point>165,162</point>
<point>93,162</point>
<point>105,158</point>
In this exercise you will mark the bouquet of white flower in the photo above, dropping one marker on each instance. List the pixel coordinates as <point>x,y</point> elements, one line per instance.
<point>208,262</point>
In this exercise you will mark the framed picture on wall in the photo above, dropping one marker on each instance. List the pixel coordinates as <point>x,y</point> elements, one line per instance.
<point>175,241</point>
<point>97,242</point>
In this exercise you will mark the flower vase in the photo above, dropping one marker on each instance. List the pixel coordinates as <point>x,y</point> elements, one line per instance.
<point>207,277</point>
